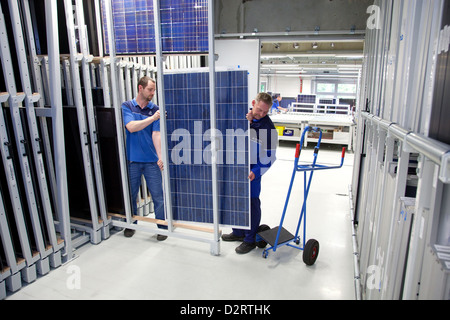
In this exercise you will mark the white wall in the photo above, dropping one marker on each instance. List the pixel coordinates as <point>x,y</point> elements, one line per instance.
<point>247,59</point>
<point>287,86</point>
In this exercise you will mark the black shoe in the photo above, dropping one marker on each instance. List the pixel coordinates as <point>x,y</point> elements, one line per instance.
<point>245,247</point>
<point>161,237</point>
<point>231,237</point>
<point>128,233</point>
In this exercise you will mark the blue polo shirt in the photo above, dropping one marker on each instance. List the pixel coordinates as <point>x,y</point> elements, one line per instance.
<point>275,105</point>
<point>139,144</point>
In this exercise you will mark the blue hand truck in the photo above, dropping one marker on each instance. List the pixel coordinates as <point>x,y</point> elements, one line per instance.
<point>279,236</point>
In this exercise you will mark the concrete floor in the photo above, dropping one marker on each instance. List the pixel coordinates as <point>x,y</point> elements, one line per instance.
<point>143,268</point>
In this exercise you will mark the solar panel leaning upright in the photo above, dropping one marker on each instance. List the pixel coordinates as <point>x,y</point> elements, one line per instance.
<point>92,216</point>
<point>189,135</point>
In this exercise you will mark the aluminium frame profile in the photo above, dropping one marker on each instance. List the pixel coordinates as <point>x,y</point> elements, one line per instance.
<point>62,195</point>
<point>14,101</point>
<point>35,139</point>
<point>15,264</point>
<point>93,227</point>
<point>433,171</point>
<point>118,113</point>
<point>434,150</point>
<point>41,111</point>
<point>92,125</point>
<point>28,271</point>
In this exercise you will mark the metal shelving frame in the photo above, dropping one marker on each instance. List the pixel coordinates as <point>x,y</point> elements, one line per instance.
<point>14,102</point>
<point>394,154</point>
<point>97,227</point>
<point>35,139</point>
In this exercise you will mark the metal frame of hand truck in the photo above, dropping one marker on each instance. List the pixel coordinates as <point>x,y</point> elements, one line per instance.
<point>279,236</point>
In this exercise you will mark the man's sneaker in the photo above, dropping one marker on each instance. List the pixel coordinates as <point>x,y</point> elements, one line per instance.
<point>231,237</point>
<point>245,247</point>
<point>161,237</point>
<point>128,233</point>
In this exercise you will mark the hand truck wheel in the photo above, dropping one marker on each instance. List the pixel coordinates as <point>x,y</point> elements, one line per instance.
<point>311,252</point>
<point>260,243</point>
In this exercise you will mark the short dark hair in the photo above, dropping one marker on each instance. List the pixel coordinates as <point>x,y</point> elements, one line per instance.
<point>264,97</point>
<point>144,81</point>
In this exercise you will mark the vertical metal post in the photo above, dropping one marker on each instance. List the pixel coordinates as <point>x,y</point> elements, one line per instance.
<point>118,112</point>
<point>38,85</point>
<point>215,247</point>
<point>98,23</point>
<point>214,145</point>
<point>78,100</point>
<point>162,107</point>
<point>14,101</point>
<point>51,15</point>
<point>85,64</point>
<point>30,99</point>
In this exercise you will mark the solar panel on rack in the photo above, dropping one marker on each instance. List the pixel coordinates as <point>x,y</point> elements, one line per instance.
<point>184,26</point>
<point>306,98</point>
<point>188,129</point>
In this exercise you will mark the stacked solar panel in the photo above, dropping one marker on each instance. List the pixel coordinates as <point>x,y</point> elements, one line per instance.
<point>184,26</point>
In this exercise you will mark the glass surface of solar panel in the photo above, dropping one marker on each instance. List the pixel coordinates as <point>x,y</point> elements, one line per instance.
<point>184,26</point>
<point>187,104</point>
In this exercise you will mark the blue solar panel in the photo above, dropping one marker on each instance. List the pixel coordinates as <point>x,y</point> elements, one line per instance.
<point>189,144</point>
<point>184,26</point>
<point>306,98</point>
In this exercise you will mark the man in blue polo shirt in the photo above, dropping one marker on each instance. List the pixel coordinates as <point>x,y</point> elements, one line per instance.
<point>143,144</point>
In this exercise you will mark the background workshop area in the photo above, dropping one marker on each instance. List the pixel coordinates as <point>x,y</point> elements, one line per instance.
<point>355,207</point>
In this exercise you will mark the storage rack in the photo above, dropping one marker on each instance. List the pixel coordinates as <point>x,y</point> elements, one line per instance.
<point>31,217</point>
<point>46,233</point>
<point>400,189</point>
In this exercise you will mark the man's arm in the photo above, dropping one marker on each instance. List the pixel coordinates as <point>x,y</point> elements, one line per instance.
<point>156,137</point>
<point>138,125</point>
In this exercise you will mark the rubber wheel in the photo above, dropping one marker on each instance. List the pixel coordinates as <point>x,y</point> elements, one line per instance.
<point>261,243</point>
<point>311,252</point>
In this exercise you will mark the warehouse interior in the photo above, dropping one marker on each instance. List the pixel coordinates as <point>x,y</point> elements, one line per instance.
<point>369,76</point>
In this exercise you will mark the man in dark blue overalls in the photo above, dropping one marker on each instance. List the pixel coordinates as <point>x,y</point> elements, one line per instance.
<point>263,144</point>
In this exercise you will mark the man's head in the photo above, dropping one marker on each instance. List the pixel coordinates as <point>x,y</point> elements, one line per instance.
<point>261,105</point>
<point>146,88</point>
